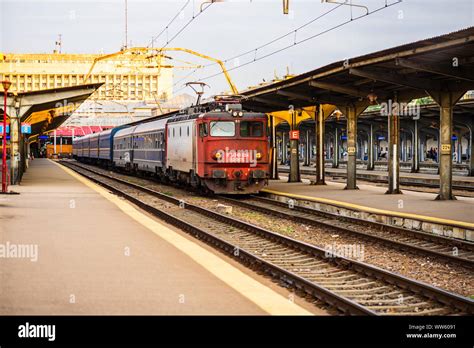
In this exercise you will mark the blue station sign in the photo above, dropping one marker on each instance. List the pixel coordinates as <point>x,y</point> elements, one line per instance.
<point>1,129</point>
<point>26,128</point>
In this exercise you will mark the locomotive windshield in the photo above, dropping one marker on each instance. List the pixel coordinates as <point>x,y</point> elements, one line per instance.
<point>222,129</point>
<point>251,129</point>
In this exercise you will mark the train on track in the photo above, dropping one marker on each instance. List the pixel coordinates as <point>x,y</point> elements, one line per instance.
<point>218,148</point>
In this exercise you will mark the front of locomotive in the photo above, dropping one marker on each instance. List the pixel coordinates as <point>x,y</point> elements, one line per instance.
<point>233,150</point>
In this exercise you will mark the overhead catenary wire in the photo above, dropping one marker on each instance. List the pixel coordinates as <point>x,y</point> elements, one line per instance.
<point>168,41</point>
<point>153,39</point>
<point>281,37</point>
<point>295,43</point>
<point>184,78</point>
<point>255,50</point>
<point>165,29</point>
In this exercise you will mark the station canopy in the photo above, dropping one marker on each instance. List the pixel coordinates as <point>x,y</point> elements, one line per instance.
<point>440,64</point>
<point>45,110</point>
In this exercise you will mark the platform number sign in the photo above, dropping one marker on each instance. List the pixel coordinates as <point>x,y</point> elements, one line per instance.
<point>446,148</point>
<point>294,135</point>
<point>26,128</point>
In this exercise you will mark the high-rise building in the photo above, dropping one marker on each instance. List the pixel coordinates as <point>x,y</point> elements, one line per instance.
<point>126,77</point>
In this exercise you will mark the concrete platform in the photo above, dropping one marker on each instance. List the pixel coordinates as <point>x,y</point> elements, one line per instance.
<point>414,210</point>
<point>379,175</point>
<point>97,255</point>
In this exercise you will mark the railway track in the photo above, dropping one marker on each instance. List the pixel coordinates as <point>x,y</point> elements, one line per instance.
<point>403,181</point>
<point>461,252</point>
<point>350,286</point>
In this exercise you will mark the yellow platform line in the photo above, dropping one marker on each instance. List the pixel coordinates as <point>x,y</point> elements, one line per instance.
<point>373,210</point>
<point>264,297</point>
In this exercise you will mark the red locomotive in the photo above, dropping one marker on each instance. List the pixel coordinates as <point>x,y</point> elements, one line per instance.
<point>218,147</point>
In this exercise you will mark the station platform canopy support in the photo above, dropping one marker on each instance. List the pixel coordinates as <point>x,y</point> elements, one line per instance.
<point>43,111</point>
<point>441,68</point>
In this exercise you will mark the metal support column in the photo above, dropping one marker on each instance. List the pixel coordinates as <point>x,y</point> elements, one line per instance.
<point>352,112</point>
<point>459,150</point>
<point>319,141</point>
<point>370,149</point>
<point>445,150</point>
<point>15,150</point>
<point>55,152</point>
<point>404,147</point>
<point>27,152</point>
<point>274,155</point>
<point>23,157</point>
<point>446,102</point>
<point>283,148</point>
<point>335,149</point>
<point>294,153</point>
<point>471,151</point>
<point>422,149</point>
<point>307,149</point>
<point>415,145</point>
<point>328,146</point>
<point>351,148</point>
<point>394,153</point>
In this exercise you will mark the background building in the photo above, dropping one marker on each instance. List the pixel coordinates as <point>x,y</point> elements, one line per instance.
<point>126,77</point>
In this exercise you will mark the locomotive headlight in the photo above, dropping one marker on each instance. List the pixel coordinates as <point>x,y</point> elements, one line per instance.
<point>241,114</point>
<point>258,155</point>
<point>235,113</point>
<point>217,155</point>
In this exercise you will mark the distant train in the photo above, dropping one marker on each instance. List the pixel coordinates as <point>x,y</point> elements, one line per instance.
<point>220,148</point>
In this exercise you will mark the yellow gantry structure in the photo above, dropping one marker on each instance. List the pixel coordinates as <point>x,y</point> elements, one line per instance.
<point>158,52</point>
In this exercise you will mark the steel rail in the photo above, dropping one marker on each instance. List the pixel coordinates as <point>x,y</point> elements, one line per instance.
<point>333,221</point>
<point>451,301</point>
<point>403,181</point>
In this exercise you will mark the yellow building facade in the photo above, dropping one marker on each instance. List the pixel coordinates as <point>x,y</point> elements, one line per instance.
<point>125,77</point>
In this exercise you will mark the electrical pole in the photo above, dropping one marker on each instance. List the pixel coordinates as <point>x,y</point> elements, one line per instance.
<point>126,25</point>
<point>59,44</point>
<point>286,6</point>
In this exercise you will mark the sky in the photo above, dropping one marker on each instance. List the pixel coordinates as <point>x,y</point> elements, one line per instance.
<point>228,28</point>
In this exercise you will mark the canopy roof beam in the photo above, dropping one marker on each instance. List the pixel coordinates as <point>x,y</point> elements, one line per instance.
<point>298,96</point>
<point>458,72</point>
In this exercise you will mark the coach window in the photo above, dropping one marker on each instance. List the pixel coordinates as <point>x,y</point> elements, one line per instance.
<point>188,131</point>
<point>222,129</point>
<point>180,131</point>
<point>173,132</point>
<point>251,129</point>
